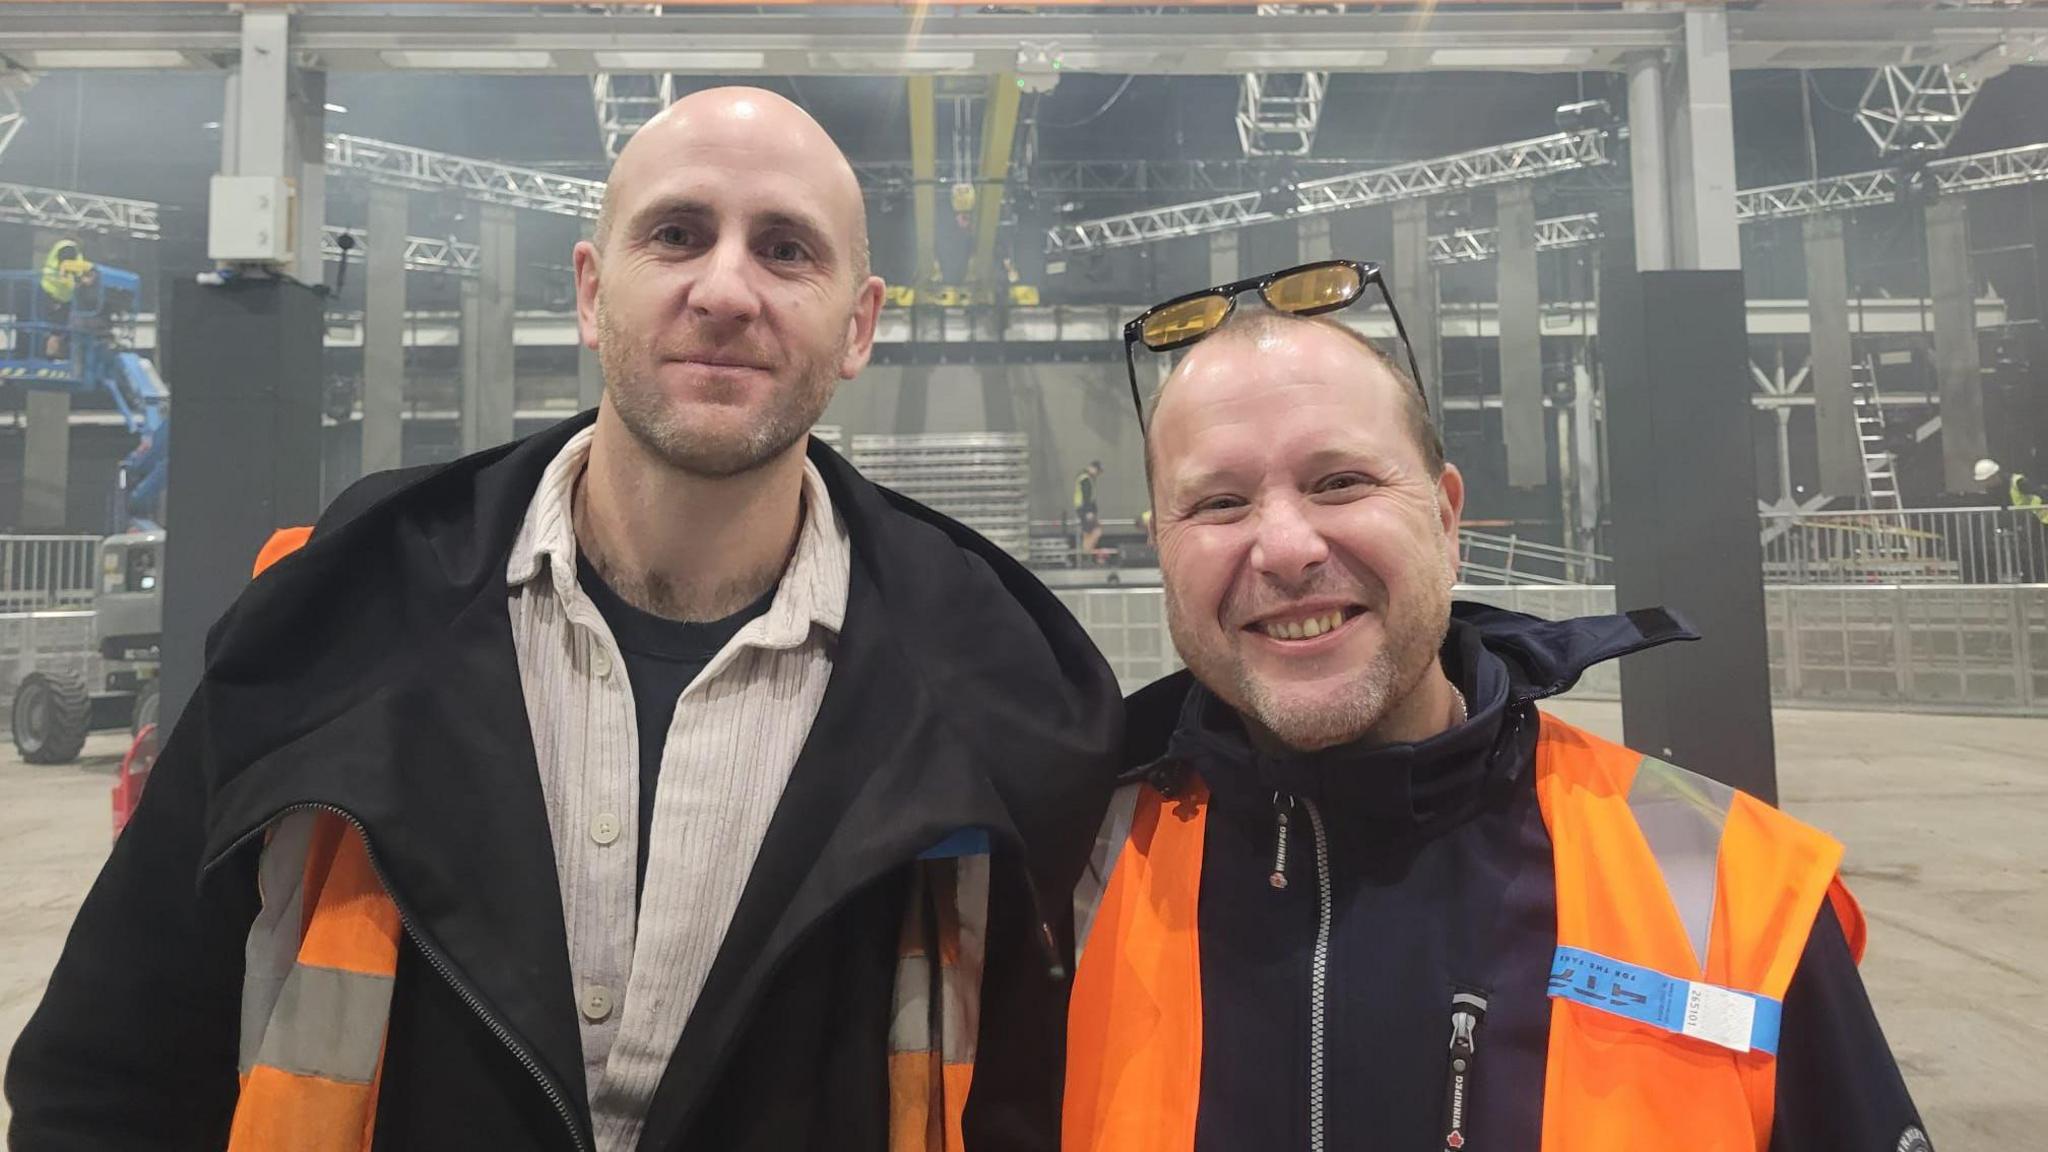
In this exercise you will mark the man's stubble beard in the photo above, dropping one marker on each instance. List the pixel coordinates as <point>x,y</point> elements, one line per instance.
<point>1413,636</point>
<point>795,406</point>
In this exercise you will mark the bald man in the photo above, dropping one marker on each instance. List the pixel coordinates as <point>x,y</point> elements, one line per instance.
<point>654,782</point>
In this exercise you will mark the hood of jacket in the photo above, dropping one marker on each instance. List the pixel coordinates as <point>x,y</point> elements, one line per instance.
<point>1503,661</point>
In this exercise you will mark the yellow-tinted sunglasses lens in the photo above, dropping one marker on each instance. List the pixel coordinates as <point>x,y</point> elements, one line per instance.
<point>1183,321</point>
<point>1329,286</point>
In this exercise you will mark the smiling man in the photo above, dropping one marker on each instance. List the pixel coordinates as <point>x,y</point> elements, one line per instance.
<point>656,782</point>
<point>1359,891</point>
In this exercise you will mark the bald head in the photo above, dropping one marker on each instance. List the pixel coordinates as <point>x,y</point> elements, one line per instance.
<point>751,130</point>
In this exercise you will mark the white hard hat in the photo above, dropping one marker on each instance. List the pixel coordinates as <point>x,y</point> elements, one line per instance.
<point>1985,470</point>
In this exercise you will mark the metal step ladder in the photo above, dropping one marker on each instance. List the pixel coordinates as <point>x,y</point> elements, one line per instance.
<point>1880,480</point>
<point>1277,112</point>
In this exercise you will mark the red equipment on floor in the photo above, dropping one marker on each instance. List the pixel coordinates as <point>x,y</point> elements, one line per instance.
<point>134,774</point>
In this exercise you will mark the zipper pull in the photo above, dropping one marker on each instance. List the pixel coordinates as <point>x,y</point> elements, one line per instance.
<point>1468,1011</point>
<point>1278,877</point>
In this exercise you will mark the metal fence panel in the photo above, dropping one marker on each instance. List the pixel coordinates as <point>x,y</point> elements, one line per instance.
<point>42,572</point>
<point>1915,647</point>
<point>1916,546</point>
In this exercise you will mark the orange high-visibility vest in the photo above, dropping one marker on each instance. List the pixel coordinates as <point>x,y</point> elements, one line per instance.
<point>1655,866</point>
<point>323,953</point>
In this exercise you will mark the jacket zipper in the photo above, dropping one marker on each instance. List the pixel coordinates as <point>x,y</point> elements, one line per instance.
<point>437,962</point>
<point>1282,806</point>
<point>1318,977</point>
<point>1468,1012</point>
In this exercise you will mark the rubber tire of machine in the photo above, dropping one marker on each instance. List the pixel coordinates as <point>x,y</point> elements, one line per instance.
<point>67,718</point>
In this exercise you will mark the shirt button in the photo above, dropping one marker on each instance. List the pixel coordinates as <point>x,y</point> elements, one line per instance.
<point>597,1003</point>
<point>601,663</point>
<point>604,828</point>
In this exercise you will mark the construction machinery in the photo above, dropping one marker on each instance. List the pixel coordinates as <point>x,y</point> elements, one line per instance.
<point>55,710</point>
<point>83,347</point>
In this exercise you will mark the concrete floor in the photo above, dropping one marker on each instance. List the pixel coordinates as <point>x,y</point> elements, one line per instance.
<point>1946,819</point>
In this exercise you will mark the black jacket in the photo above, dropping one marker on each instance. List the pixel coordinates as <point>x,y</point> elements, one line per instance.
<point>1442,879</point>
<point>374,671</point>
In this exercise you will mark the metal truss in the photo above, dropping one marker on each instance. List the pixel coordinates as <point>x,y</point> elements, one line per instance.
<point>12,85</point>
<point>1199,218</point>
<point>1959,174</point>
<point>1521,160</point>
<point>1475,245</point>
<point>625,101</point>
<point>422,253</point>
<point>423,169</point>
<point>59,210</point>
<point>1915,109</point>
<point>1277,112</point>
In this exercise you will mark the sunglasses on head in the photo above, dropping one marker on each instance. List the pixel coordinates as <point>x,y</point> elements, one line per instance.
<point>1304,290</point>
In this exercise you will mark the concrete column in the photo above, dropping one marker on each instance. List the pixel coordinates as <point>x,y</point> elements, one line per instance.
<point>1413,281</point>
<point>1673,347</point>
<point>273,125</point>
<point>46,458</point>
<point>589,369</point>
<point>1521,339</point>
<point>471,297</point>
<point>1646,160</point>
<point>308,166</point>
<point>497,288</point>
<point>1223,262</point>
<point>46,461</point>
<point>1954,291</point>
<point>1839,448</point>
<point>1312,239</point>
<point>1682,151</point>
<point>384,331</point>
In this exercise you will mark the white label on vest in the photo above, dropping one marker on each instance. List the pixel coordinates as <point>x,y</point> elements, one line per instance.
<point>1719,1016</point>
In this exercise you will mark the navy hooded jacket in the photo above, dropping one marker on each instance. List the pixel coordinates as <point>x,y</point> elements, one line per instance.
<point>1441,881</point>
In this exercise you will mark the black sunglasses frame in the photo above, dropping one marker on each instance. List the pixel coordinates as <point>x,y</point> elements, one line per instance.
<point>1368,273</point>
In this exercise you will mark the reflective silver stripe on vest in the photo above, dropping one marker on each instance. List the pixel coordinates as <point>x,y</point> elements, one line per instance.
<point>328,1023</point>
<point>1109,842</point>
<point>1682,815</point>
<point>957,987</point>
<point>272,949</point>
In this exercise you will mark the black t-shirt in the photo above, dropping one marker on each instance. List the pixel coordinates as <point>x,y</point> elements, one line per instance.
<point>662,657</point>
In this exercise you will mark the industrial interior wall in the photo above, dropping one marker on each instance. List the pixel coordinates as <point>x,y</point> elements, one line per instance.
<point>1073,413</point>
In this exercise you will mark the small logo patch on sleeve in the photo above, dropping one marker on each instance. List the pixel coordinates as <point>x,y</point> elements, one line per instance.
<point>1914,1140</point>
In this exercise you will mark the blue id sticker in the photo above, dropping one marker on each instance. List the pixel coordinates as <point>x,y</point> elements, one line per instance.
<point>1740,1021</point>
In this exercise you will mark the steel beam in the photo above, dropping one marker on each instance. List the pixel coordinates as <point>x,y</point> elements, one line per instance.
<point>815,40</point>
<point>998,136</point>
<point>924,172</point>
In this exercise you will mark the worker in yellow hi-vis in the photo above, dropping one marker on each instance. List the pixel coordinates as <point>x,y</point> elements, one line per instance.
<point>2020,491</point>
<point>64,269</point>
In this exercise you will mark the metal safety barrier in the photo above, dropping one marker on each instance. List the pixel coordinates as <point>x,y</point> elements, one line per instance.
<point>1913,647</point>
<point>1915,546</point>
<point>44,572</point>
